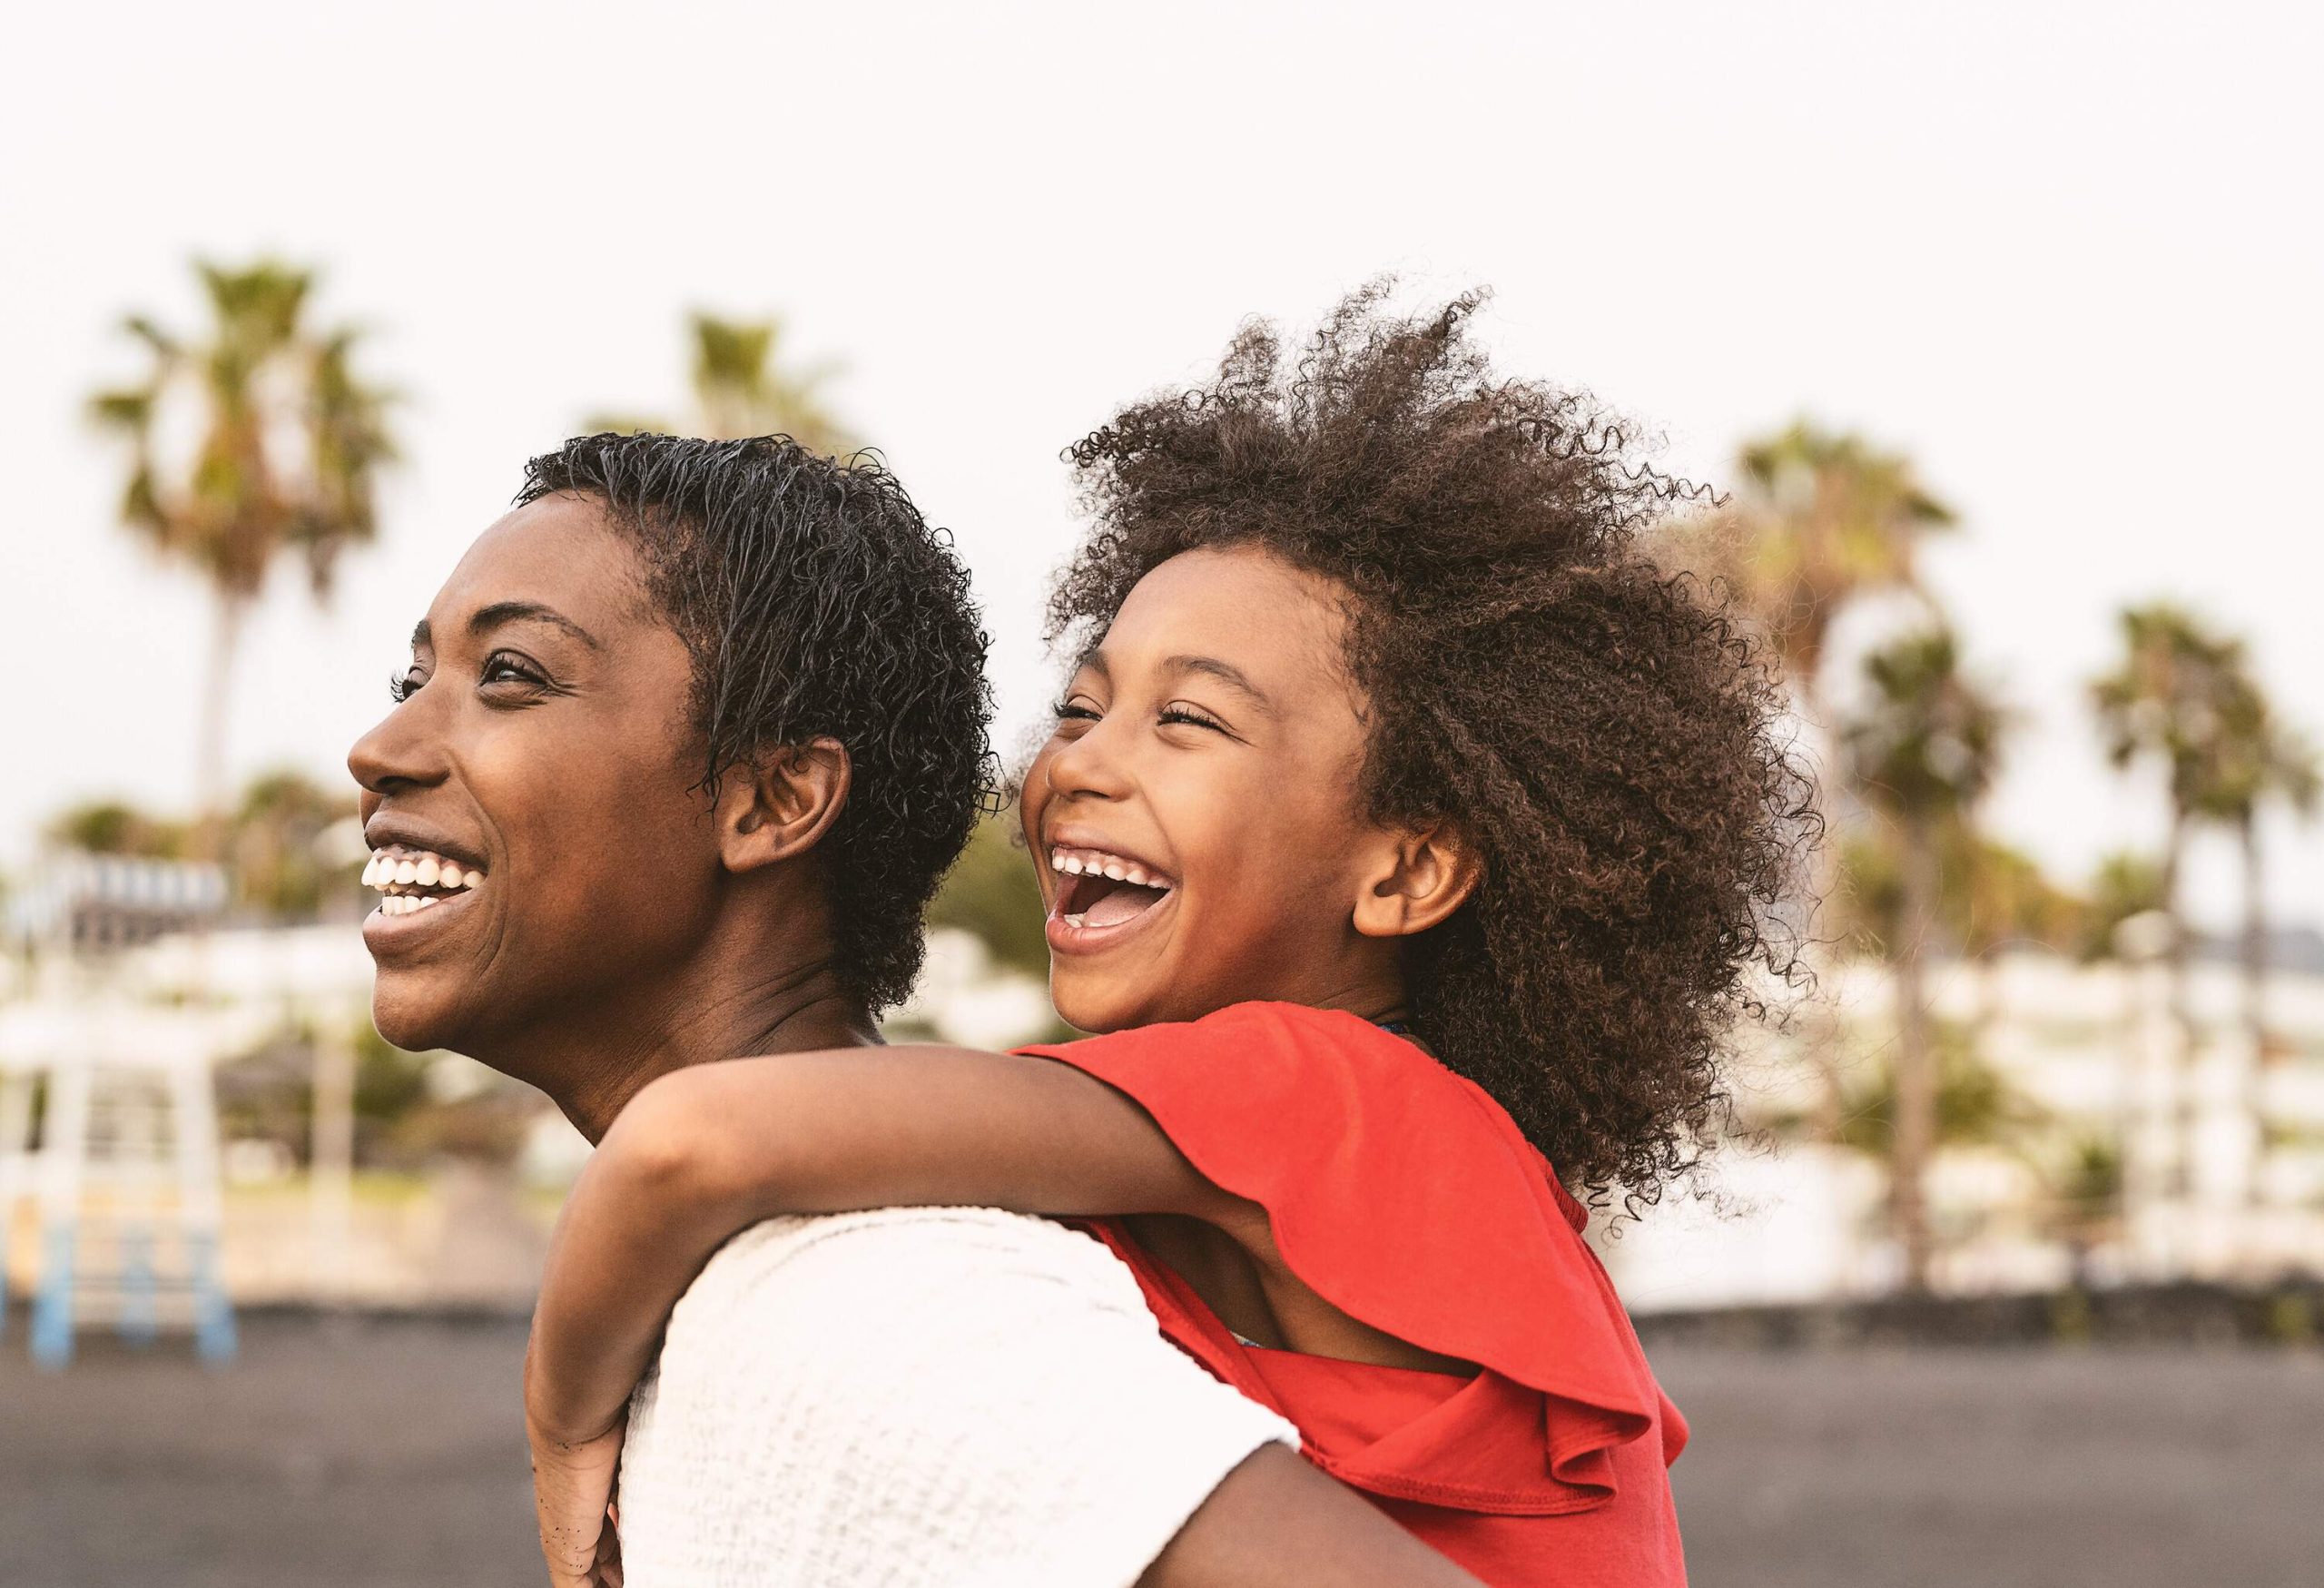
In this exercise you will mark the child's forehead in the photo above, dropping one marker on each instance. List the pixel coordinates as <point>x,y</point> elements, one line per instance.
<point>1226,587</point>
<point>1280,626</point>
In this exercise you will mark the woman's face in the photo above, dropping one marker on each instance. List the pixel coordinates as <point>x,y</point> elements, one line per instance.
<point>543,748</point>
<point>1195,816</point>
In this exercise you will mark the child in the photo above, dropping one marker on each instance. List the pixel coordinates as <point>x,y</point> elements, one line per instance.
<point>1407,833</point>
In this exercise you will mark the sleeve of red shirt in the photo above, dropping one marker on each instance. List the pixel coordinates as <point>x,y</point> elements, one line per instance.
<point>1405,1196</point>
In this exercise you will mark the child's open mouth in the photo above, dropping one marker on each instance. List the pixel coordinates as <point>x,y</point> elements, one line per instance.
<point>1099,897</point>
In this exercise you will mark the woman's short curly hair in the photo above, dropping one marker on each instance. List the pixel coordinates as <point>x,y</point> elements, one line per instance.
<point>813,599</point>
<point>1605,734</point>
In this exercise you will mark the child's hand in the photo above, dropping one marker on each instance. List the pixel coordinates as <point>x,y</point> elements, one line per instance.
<point>573,1488</point>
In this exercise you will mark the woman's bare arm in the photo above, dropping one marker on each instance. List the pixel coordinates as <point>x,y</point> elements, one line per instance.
<point>705,1153</point>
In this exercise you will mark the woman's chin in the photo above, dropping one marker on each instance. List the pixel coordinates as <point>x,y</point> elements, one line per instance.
<point>410,1019</point>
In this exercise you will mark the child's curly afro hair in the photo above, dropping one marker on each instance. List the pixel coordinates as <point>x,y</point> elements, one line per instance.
<point>1605,734</point>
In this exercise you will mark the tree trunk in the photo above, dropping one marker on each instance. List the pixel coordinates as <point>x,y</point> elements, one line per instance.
<point>209,731</point>
<point>1819,1030</point>
<point>331,1158</point>
<point>2186,1106</point>
<point>2255,1007</point>
<point>1916,1061</point>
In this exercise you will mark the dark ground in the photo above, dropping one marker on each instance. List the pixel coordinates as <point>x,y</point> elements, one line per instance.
<point>388,1455</point>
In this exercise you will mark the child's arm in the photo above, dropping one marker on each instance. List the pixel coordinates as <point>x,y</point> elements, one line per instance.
<point>705,1152</point>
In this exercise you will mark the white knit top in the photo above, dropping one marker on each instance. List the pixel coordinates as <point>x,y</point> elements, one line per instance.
<point>948,1397</point>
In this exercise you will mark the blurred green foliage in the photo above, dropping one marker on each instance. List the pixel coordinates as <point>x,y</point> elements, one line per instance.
<point>1990,895</point>
<point>400,1121</point>
<point>992,892</point>
<point>743,385</point>
<point>1975,1104</point>
<point>273,842</point>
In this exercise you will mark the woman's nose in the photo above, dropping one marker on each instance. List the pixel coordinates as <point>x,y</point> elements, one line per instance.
<point>398,753</point>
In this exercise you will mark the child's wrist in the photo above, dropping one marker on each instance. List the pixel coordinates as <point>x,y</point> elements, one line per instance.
<point>554,1423</point>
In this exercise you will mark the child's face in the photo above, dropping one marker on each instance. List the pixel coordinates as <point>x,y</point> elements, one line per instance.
<point>1195,818</point>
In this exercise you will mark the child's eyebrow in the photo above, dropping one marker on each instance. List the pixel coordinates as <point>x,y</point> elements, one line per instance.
<point>1227,674</point>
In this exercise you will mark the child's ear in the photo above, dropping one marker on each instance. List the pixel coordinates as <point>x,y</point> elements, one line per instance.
<point>1422,878</point>
<point>780,805</point>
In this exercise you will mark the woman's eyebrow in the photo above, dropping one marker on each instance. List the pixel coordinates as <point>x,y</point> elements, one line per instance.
<point>502,613</point>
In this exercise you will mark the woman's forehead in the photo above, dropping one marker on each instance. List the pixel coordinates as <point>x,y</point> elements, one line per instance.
<point>559,553</point>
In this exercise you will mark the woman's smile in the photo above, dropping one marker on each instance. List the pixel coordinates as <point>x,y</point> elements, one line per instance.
<point>403,919</point>
<point>426,882</point>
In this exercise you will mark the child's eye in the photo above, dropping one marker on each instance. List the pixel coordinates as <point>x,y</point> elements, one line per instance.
<point>1192,718</point>
<point>1076,711</point>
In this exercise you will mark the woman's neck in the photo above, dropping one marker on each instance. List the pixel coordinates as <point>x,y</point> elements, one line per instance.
<point>797,1011</point>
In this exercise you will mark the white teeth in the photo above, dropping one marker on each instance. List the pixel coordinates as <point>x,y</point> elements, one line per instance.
<point>426,900</point>
<point>1110,866</point>
<point>384,871</point>
<point>1082,919</point>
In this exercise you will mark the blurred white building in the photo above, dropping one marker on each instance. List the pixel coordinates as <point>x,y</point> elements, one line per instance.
<point>2089,1055</point>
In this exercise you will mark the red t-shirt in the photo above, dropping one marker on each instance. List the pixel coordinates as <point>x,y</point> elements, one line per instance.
<point>1405,1197</point>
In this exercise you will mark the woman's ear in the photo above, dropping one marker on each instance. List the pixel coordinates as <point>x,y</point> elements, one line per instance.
<point>1422,877</point>
<point>780,807</point>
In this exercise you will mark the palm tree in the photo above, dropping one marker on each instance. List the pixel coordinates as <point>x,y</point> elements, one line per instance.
<point>1824,517</point>
<point>2123,899</point>
<point>1921,752</point>
<point>742,388</point>
<point>2258,760</point>
<point>2085,1208</point>
<point>287,442</point>
<point>2171,699</point>
<point>2125,885</point>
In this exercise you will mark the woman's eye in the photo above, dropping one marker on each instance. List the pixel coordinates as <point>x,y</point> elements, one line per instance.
<point>502,668</point>
<point>403,685</point>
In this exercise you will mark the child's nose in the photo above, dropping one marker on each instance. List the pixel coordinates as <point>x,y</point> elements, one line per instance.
<point>1090,766</point>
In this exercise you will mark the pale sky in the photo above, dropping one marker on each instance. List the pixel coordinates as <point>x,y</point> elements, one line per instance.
<point>2067,256</point>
